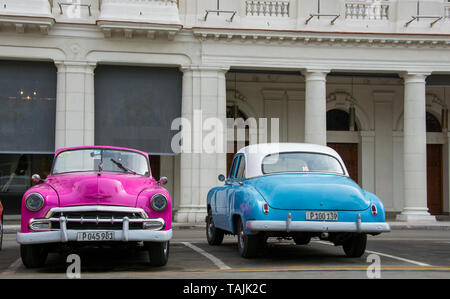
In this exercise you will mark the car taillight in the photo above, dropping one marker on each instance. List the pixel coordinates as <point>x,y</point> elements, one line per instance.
<point>266,208</point>
<point>374,210</point>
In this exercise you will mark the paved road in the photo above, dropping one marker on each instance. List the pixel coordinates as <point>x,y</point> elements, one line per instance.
<point>403,254</point>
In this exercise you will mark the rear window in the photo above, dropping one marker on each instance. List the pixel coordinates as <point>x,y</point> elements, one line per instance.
<point>301,162</point>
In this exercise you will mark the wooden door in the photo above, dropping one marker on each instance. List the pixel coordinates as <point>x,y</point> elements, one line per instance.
<point>434,178</point>
<point>349,154</point>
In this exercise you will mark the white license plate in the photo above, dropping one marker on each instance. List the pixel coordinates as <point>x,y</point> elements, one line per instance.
<point>95,236</point>
<point>322,216</point>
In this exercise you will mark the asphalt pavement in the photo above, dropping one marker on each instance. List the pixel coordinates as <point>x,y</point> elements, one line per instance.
<point>402,253</point>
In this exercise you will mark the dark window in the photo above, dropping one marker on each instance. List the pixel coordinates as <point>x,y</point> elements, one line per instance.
<point>241,169</point>
<point>233,168</point>
<point>135,107</point>
<point>27,107</point>
<point>15,177</point>
<point>234,112</point>
<point>433,124</point>
<point>338,120</point>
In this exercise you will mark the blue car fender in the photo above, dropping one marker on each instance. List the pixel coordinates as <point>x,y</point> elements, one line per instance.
<point>247,204</point>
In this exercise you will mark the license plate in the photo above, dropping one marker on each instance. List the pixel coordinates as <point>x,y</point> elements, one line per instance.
<point>322,216</point>
<point>95,236</point>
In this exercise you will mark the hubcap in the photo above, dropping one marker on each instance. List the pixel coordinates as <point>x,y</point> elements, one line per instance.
<point>241,239</point>
<point>210,228</point>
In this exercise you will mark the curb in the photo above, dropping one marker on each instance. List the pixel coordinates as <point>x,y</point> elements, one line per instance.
<point>14,228</point>
<point>419,227</point>
<point>11,229</point>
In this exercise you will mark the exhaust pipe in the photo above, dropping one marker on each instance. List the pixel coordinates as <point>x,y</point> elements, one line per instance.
<point>324,236</point>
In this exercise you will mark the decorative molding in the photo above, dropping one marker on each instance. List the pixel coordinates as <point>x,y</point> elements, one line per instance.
<point>271,94</point>
<point>343,100</point>
<point>278,8</point>
<point>335,39</point>
<point>237,95</point>
<point>295,95</point>
<point>132,17</point>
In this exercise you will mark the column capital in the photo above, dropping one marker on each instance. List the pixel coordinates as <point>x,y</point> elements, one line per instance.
<point>75,66</point>
<point>414,76</point>
<point>367,134</point>
<point>317,71</point>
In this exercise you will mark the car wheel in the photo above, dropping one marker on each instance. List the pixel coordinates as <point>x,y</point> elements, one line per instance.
<point>33,256</point>
<point>247,244</point>
<point>158,253</point>
<point>213,235</point>
<point>355,246</point>
<point>301,239</point>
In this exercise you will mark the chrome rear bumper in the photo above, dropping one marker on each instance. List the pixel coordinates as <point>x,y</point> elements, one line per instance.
<point>317,226</point>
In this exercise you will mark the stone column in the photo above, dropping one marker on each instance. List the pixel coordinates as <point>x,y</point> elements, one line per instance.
<point>368,160</point>
<point>414,150</point>
<point>75,104</point>
<point>315,106</point>
<point>204,110</point>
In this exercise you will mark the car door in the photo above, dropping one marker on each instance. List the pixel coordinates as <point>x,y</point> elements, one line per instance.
<point>236,194</point>
<point>222,198</point>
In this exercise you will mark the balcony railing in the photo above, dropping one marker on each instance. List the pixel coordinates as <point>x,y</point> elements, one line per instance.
<point>267,8</point>
<point>367,10</point>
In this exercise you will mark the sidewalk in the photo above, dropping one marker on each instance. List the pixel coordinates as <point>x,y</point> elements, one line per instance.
<point>12,225</point>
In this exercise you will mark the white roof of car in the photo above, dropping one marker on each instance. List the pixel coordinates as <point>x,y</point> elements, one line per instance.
<point>255,153</point>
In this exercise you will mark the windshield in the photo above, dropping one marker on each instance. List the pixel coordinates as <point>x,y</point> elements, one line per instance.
<point>80,160</point>
<point>301,162</point>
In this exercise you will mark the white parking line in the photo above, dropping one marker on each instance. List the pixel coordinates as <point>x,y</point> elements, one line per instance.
<point>399,258</point>
<point>211,257</point>
<point>386,255</point>
<point>13,267</point>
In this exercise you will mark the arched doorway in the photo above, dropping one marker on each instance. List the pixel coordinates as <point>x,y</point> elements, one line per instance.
<point>341,120</point>
<point>434,168</point>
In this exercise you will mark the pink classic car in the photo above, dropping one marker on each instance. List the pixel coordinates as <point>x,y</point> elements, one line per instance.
<point>96,195</point>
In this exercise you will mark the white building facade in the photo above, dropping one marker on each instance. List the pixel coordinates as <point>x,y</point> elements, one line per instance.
<point>369,78</point>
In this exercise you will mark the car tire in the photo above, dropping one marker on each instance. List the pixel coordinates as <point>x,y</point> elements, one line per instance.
<point>247,244</point>
<point>355,246</point>
<point>213,235</point>
<point>301,239</point>
<point>158,253</point>
<point>33,256</point>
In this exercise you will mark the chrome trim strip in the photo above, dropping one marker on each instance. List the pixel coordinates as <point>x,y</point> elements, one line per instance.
<point>96,208</point>
<point>125,228</point>
<point>318,226</point>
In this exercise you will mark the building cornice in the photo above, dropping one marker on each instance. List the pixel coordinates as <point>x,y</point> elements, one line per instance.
<point>366,39</point>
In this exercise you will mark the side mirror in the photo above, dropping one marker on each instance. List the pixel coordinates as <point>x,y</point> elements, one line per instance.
<point>35,178</point>
<point>221,177</point>
<point>163,180</point>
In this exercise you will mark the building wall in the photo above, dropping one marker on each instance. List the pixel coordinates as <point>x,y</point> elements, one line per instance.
<point>166,33</point>
<point>379,103</point>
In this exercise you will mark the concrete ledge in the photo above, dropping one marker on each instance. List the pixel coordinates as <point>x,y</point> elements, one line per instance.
<point>438,225</point>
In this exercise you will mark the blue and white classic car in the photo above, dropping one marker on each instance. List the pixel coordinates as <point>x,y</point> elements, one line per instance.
<point>292,190</point>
